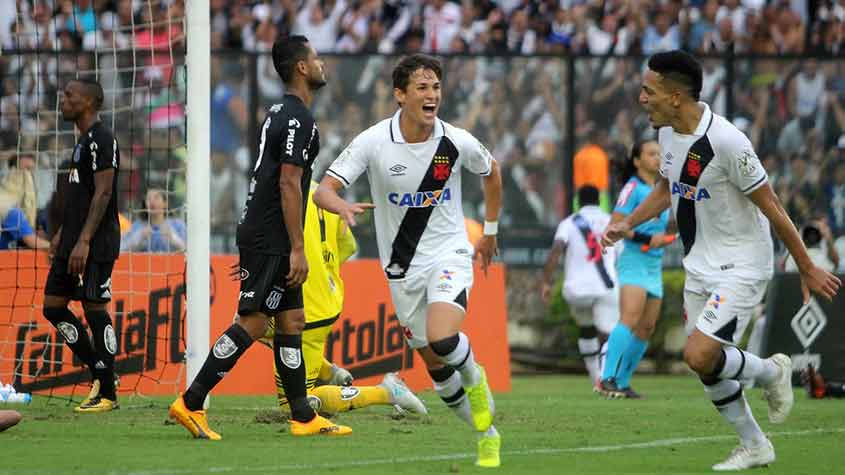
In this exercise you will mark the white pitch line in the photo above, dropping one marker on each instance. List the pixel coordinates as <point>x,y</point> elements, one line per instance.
<point>467,455</point>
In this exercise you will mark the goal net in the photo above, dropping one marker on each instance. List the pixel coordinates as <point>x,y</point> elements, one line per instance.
<point>137,53</point>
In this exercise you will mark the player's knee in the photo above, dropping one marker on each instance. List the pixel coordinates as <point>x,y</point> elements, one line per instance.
<point>445,346</point>
<point>644,330</point>
<point>91,307</point>
<point>54,314</point>
<point>256,327</point>
<point>698,361</point>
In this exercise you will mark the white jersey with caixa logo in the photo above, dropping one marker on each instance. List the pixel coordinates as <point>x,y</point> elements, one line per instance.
<point>416,188</point>
<point>710,174</point>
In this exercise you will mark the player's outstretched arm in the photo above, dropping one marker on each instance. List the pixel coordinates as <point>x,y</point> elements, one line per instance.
<point>655,203</point>
<point>491,185</point>
<point>812,278</point>
<point>326,197</point>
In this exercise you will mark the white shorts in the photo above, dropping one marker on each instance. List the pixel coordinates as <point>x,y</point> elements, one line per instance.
<point>723,309</point>
<point>448,281</point>
<point>599,311</point>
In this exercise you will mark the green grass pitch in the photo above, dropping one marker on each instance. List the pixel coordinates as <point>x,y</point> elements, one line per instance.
<point>549,424</point>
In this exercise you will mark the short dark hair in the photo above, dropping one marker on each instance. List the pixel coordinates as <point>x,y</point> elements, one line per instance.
<point>91,88</point>
<point>407,65</point>
<point>287,51</point>
<point>588,195</point>
<point>681,67</point>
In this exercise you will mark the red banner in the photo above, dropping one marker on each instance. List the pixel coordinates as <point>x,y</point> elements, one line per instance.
<point>148,310</point>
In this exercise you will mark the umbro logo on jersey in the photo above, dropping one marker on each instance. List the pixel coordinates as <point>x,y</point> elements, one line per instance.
<point>397,170</point>
<point>689,192</point>
<point>420,199</point>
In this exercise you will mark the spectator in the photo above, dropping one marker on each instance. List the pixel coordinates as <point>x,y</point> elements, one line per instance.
<point>820,247</point>
<point>662,36</point>
<point>835,193</point>
<point>441,22</point>
<point>155,232</point>
<point>18,210</point>
<point>228,108</point>
<point>320,23</point>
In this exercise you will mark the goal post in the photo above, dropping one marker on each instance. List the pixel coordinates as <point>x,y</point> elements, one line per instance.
<point>198,61</point>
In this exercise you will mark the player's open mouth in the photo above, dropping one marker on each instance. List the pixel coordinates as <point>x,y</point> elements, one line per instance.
<point>429,108</point>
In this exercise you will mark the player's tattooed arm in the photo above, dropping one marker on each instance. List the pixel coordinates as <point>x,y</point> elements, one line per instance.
<point>103,181</point>
<point>813,278</point>
<point>655,203</point>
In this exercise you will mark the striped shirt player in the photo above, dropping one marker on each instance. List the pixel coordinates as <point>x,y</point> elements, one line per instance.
<point>590,281</point>
<point>728,250</point>
<point>590,285</point>
<point>414,161</point>
<point>723,207</point>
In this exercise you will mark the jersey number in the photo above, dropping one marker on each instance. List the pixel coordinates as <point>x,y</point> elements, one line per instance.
<point>594,248</point>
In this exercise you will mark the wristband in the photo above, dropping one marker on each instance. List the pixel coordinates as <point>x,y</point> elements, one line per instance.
<point>491,228</point>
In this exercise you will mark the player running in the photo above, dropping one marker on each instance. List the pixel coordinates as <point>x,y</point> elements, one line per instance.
<point>590,286</point>
<point>723,204</point>
<point>328,244</point>
<point>640,269</point>
<point>413,162</point>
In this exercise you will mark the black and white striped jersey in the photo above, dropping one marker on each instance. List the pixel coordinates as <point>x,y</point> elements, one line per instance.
<point>416,188</point>
<point>710,173</point>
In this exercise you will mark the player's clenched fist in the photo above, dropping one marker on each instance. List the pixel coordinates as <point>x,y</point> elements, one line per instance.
<point>614,232</point>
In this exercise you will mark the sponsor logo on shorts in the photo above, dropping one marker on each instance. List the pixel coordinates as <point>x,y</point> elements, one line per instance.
<point>106,289</point>
<point>709,316</point>
<point>68,331</point>
<point>243,274</point>
<point>715,301</point>
<point>224,347</point>
<point>110,339</point>
<point>444,287</point>
<point>274,299</point>
<point>291,357</point>
<point>247,295</point>
<point>349,392</point>
<point>447,274</point>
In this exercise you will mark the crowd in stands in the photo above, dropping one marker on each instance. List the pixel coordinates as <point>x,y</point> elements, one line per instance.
<point>515,97</point>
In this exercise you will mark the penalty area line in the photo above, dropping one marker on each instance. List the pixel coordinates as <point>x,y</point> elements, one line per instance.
<point>468,455</point>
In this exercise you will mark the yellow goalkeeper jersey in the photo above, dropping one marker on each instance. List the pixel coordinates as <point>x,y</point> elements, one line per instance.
<point>328,243</point>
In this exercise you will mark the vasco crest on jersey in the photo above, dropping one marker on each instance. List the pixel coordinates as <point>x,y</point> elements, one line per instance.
<point>442,170</point>
<point>693,165</point>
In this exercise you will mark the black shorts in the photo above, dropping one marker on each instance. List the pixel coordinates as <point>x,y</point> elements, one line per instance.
<point>263,285</point>
<point>95,285</point>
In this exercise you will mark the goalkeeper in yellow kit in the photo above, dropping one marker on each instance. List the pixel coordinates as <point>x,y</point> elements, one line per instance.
<point>329,243</point>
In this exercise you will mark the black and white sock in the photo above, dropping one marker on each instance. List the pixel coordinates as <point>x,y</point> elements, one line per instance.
<point>105,343</point>
<point>727,396</point>
<point>75,335</point>
<point>287,355</point>
<point>744,366</point>
<point>222,358</point>
<point>456,352</point>
<point>449,386</point>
